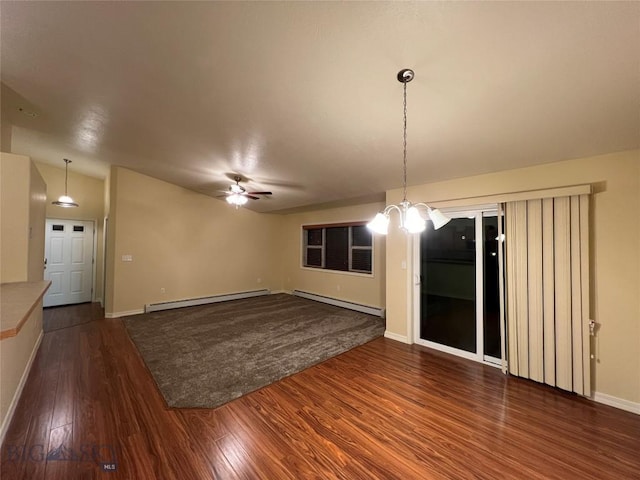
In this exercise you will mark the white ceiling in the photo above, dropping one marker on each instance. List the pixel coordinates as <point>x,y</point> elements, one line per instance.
<point>302,97</point>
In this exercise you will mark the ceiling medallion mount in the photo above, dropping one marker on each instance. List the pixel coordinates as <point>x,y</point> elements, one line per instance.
<point>405,75</point>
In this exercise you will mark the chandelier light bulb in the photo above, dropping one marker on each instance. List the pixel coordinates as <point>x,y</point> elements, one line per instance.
<point>438,218</point>
<point>413,222</point>
<point>379,224</point>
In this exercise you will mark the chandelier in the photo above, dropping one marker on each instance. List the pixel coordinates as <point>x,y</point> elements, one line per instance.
<point>410,219</point>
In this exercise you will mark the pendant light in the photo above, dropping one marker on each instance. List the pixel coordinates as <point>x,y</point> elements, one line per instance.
<point>65,200</point>
<point>410,219</point>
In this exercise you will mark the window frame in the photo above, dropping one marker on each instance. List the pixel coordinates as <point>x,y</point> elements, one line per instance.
<point>320,247</point>
<point>350,248</point>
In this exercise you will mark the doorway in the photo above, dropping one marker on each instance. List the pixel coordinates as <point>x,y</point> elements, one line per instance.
<point>69,261</point>
<point>457,297</point>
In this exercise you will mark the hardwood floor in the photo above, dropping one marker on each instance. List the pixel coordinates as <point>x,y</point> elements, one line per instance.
<point>55,318</point>
<point>384,410</point>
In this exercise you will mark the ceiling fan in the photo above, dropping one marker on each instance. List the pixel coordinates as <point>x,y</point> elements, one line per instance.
<point>238,195</point>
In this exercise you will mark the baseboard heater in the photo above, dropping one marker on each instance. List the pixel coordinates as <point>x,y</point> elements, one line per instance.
<point>155,307</point>
<point>378,312</point>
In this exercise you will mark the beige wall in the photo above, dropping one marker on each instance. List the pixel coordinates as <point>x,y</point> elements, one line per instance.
<point>5,136</point>
<point>186,243</point>
<point>37,209</point>
<point>88,192</point>
<point>615,254</point>
<point>363,289</point>
<point>14,211</point>
<point>192,245</point>
<point>15,353</point>
<point>23,193</point>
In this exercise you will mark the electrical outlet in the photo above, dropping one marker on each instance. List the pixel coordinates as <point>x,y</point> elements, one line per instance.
<point>259,280</point>
<point>162,290</point>
<point>338,287</point>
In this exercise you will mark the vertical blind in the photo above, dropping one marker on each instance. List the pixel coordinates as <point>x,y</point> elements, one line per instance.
<point>547,277</point>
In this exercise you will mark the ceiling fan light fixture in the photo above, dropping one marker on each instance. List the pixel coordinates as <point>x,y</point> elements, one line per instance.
<point>65,200</point>
<point>237,199</point>
<point>237,195</point>
<point>410,219</point>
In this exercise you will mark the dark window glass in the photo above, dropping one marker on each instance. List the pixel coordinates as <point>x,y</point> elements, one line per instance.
<point>337,248</point>
<point>453,244</point>
<point>361,260</point>
<point>448,288</point>
<point>314,236</point>
<point>491,290</point>
<point>78,228</point>
<point>361,236</point>
<point>314,257</point>
<point>58,228</point>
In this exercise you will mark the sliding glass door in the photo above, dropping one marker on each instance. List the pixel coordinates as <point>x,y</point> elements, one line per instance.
<point>458,307</point>
<point>491,290</point>
<point>448,285</point>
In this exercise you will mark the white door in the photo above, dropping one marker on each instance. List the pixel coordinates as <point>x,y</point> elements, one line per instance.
<point>68,255</point>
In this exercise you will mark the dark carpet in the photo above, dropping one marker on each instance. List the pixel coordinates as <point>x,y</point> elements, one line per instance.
<point>208,355</point>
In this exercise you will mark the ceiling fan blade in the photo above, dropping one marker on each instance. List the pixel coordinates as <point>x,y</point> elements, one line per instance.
<point>259,193</point>
<point>251,197</point>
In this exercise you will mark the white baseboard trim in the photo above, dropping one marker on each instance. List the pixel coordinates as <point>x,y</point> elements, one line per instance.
<point>616,402</point>
<point>396,337</point>
<point>124,314</point>
<point>16,396</point>
<point>192,302</point>
<point>378,312</point>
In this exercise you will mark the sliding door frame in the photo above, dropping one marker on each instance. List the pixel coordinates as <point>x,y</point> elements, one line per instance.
<point>478,212</point>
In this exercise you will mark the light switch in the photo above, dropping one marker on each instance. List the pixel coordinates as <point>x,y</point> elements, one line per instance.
<point>127,258</point>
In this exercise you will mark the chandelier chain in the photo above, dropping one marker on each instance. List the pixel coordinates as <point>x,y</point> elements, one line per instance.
<point>404,145</point>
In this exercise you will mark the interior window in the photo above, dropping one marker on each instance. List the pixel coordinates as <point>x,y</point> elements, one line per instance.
<point>340,247</point>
